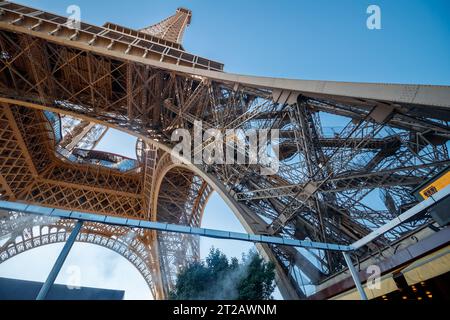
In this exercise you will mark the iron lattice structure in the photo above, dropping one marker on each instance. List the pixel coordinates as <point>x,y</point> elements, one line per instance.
<point>62,88</point>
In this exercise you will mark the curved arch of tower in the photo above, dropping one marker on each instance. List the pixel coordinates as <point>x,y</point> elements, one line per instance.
<point>22,233</point>
<point>62,88</point>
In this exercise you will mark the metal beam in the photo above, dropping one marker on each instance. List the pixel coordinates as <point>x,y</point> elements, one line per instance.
<point>158,226</point>
<point>19,138</point>
<point>419,208</point>
<point>219,234</point>
<point>59,262</point>
<point>355,276</point>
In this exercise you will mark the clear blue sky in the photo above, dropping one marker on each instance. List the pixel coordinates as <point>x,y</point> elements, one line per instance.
<point>320,40</point>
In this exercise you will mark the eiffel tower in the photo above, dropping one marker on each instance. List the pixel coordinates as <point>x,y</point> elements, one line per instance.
<point>62,88</point>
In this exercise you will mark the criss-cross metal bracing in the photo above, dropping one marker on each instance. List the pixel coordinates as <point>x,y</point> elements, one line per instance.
<point>333,185</point>
<point>23,232</point>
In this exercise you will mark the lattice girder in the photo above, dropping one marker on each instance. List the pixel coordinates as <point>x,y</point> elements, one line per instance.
<point>391,142</point>
<point>26,232</point>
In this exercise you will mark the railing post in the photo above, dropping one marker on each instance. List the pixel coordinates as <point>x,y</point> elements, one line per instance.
<point>355,276</point>
<point>60,261</point>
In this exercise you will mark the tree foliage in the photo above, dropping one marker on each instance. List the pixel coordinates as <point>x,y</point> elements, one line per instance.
<point>220,278</point>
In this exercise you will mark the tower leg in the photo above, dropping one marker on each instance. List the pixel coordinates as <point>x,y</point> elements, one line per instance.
<point>59,262</point>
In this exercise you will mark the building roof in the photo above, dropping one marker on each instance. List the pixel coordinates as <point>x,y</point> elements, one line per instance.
<point>15,289</point>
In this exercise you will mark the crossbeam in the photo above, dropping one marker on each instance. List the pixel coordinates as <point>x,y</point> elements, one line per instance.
<point>167,227</point>
<point>419,208</point>
<point>228,235</point>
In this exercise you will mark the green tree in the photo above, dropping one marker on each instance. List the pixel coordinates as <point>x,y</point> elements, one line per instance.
<point>219,278</point>
<point>258,283</point>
